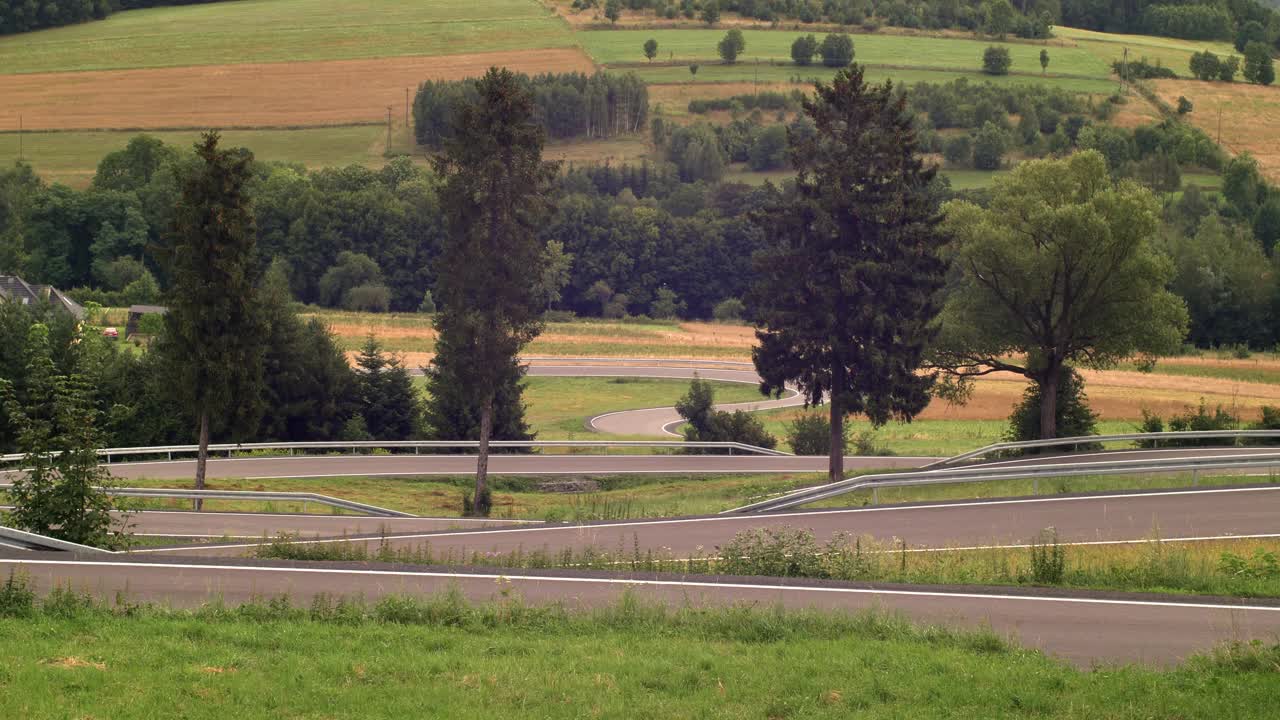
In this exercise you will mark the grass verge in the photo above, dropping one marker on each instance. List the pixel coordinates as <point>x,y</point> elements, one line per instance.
<point>70,657</point>
<point>1228,568</point>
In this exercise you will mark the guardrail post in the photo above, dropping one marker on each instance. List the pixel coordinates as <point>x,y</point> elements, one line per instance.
<point>1035,486</point>
<point>170,454</point>
<point>875,496</point>
<point>1195,478</point>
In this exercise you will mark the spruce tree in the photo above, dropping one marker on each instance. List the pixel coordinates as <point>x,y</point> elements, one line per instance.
<point>389,402</point>
<point>491,286</point>
<point>848,282</point>
<point>215,335</point>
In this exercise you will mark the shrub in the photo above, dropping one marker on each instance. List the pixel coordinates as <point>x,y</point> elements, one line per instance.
<point>803,50</point>
<point>1258,66</point>
<point>1198,419</point>
<point>1184,105</point>
<point>959,151</point>
<point>1075,419</point>
<point>368,298</point>
<point>1048,559</point>
<point>428,304</point>
<point>731,46</point>
<point>728,310</point>
<point>836,50</point>
<point>810,434</point>
<point>989,147</point>
<point>1142,69</point>
<point>996,61</point>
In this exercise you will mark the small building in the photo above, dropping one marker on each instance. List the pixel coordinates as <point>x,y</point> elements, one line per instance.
<point>135,316</point>
<point>16,290</point>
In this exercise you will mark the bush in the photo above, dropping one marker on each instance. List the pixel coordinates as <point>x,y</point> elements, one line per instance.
<point>1048,559</point>
<point>1075,419</point>
<point>731,46</point>
<point>729,310</point>
<point>803,50</point>
<point>1184,105</point>
<point>706,424</point>
<point>810,434</point>
<point>989,147</point>
<point>959,151</point>
<point>1198,419</point>
<point>996,61</point>
<point>368,298</point>
<point>769,150</point>
<point>1258,66</point>
<point>428,304</point>
<point>1142,69</point>
<point>836,50</point>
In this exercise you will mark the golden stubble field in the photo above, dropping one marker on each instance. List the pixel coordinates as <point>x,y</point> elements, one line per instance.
<point>300,94</point>
<point>1249,119</point>
<point>1113,394</point>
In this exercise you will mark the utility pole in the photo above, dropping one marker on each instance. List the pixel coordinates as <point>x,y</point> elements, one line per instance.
<point>388,150</point>
<point>406,109</point>
<point>20,134</point>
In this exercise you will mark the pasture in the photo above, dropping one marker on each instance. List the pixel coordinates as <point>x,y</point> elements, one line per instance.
<point>266,31</point>
<point>1246,117</point>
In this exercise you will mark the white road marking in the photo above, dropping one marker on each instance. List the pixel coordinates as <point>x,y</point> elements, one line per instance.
<point>759,517</point>
<point>648,583</point>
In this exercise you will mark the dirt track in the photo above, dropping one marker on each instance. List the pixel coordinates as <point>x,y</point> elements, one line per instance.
<point>250,95</point>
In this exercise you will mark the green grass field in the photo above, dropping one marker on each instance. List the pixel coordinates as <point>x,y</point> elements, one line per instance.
<point>613,47</point>
<point>747,72</point>
<point>402,656</point>
<point>560,407</point>
<point>72,157</point>
<point>253,31</point>
<point>1171,52</point>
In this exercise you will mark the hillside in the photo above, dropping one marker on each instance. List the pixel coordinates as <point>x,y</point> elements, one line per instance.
<point>310,83</point>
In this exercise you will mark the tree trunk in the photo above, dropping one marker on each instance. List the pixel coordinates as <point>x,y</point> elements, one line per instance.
<point>835,469</point>
<point>481,502</point>
<point>202,456</point>
<point>1049,401</point>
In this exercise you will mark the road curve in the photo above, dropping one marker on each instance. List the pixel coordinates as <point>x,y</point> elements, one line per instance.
<point>180,523</point>
<point>1119,516</point>
<point>658,421</point>
<point>1081,628</point>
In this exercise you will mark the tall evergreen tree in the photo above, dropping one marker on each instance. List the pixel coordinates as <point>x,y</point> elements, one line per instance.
<point>215,334</point>
<point>491,282</point>
<point>847,287</point>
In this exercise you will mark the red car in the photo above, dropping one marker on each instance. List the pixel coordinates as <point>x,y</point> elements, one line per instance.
<point>110,333</point>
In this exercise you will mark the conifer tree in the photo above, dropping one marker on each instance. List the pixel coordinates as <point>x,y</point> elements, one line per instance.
<point>848,284</point>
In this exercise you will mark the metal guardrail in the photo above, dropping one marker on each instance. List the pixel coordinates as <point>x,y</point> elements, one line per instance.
<point>23,540</point>
<point>1154,437</point>
<point>1021,472</point>
<point>260,496</point>
<point>418,445</point>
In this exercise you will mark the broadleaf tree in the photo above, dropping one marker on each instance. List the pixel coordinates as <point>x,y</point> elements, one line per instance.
<point>215,333</point>
<point>491,283</point>
<point>848,282</point>
<point>1061,269</point>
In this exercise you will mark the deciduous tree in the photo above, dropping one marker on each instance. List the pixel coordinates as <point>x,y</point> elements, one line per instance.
<point>1061,269</point>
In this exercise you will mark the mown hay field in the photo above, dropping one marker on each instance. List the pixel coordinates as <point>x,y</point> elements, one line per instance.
<point>263,31</point>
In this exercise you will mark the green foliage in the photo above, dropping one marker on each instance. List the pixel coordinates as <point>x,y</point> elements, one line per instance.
<point>711,12</point>
<point>352,270</point>
<point>214,332</point>
<point>999,18</point>
<point>996,60</point>
<point>836,50</point>
<point>1259,68</point>
<point>1247,32</point>
<point>769,150</point>
<point>989,147</point>
<point>1048,559</point>
<point>613,10</point>
<point>666,304</point>
<point>650,49</point>
<point>959,151</point>
<point>1074,418</point>
<point>810,434</point>
<point>1223,275</point>
<point>1197,419</point>
<point>17,599</point>
<point>388,401</point>
<point>728,310</point>
<point>1184,105</point>
<point>494,198</point>
<point>731,46</point>
<point>706,424</point>
<point>1044,61</point>
<point>696,151</point>
<point>1048,220</point>
<point>1205,65</point>
<point>859,230</point>
<point>803,50</point>
<point>59,491</point>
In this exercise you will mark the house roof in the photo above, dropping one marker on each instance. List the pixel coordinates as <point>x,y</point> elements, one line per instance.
<point>14,288</point>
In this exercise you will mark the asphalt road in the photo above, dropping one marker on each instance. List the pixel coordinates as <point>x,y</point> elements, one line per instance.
<point>316,466</point>
<point>1197,513</point>
<point>1081,629</point>
<point>177,523</point>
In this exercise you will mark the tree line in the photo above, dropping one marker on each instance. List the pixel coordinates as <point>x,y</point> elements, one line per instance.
<point>566,105</point>
<point>19,16</point>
